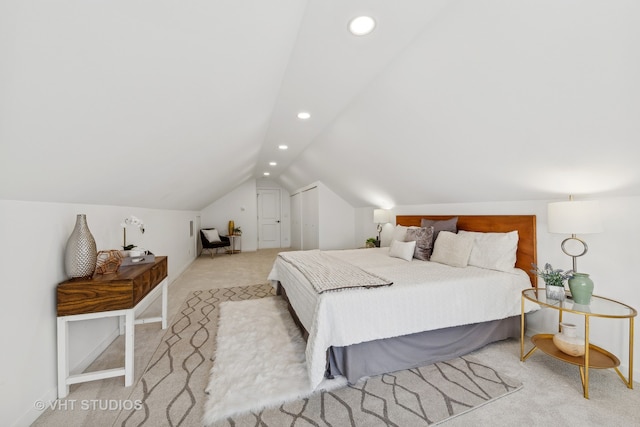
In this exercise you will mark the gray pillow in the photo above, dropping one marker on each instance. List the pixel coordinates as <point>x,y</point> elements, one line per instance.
<point>450,224</point>
<point>423,237</point>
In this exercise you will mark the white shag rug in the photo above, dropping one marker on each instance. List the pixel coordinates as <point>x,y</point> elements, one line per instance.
<point>259,361</point>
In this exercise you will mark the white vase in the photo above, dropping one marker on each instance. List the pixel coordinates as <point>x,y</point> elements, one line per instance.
<point>568,340</point>
<point>555,292</point>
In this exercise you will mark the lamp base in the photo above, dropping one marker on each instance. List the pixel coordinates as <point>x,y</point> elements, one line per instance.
<point>585,248</point>
<point>581,287</point>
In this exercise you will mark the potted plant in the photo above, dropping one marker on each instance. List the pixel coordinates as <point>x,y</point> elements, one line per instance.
<point>371,242</point>
<point>554,280</point>
<point>132,220</point>
<point>237,231</point>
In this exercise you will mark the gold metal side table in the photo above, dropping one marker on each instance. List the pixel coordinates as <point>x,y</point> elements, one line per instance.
<point>594,356</point>
<point>233,239</point>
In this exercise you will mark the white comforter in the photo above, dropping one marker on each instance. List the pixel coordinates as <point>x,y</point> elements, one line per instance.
<point>424,296</point>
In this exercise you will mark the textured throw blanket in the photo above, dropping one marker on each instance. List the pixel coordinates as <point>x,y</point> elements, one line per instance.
<point>328,273</point>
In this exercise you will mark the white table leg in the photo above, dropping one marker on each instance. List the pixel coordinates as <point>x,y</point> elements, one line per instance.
<point>164,303</point>
<point>63,357</point>
<point>129,347</point>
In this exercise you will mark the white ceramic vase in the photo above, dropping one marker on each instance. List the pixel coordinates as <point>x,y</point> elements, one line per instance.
<point>568,340</point>
<point>555,292</point>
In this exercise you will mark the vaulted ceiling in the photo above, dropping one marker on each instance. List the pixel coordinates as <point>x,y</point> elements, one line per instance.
<point>172,104</point>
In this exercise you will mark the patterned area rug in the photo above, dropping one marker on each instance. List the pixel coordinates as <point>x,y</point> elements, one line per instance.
<point>258,333</point>
<point>172,388</point>
<point>415,397</point>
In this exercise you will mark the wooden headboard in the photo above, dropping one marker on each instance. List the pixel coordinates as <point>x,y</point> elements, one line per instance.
<point>525,224</point>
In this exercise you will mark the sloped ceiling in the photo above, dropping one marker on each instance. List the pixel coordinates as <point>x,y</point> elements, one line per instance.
<point>171,104</point>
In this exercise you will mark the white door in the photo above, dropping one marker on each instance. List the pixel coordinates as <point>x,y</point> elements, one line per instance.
<point>296,221</point>
<point>268,219</point>
<point>310,219</point>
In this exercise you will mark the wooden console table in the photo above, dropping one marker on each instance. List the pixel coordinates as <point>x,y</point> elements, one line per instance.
<point>108,295</point>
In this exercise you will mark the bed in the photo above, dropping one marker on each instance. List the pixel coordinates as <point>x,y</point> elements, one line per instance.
<point>431,311</point>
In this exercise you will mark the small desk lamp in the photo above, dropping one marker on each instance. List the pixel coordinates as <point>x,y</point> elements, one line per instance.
<point>574,218</point>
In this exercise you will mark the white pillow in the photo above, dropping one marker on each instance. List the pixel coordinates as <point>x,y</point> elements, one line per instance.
<point>494,251</point>
<point>399,233</point>
<point>452,249</point>
<point>212,235</point>
<point>402,250</point>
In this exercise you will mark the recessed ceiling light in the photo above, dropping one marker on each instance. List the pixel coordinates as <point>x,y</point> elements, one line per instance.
<point>282,147</point>
<point>272,163</point>
<point>303,115</point>
<point>266,174</point>
<point>362,25</point>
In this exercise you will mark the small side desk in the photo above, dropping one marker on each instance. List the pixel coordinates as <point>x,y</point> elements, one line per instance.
<point>233,239</point>
<point>108,295</point>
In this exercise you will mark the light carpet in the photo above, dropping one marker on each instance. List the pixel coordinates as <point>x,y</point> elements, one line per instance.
<point>260,364</point>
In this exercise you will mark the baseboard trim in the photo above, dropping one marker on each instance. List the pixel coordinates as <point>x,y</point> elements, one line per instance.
<point>32,413</point>
<point>51,395</point>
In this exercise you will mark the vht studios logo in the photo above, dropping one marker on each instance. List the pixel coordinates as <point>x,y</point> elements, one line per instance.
<point>88,405</point>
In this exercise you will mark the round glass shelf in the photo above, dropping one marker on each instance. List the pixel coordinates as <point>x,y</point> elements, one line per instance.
<point>599,306</point>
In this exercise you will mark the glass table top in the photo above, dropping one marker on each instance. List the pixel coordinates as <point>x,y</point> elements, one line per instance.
<point>599,306</point>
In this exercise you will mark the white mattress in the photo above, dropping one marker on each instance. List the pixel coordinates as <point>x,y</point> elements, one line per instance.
<point>424,296</point>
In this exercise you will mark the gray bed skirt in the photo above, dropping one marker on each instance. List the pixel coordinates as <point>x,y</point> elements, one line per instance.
<point>409,351</point>
<point>419,349</point>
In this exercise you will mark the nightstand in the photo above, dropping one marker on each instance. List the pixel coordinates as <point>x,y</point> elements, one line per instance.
<point>235,244</point>
<point>594,356</point>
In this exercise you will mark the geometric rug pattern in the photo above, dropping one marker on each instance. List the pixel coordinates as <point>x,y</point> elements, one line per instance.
<point>414,397</point>
<point>172,386</point>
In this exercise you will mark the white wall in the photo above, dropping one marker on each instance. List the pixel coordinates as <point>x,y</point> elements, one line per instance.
<point>366,228</point>
<point>336,220</point>
<point>240,205</point>
<point>610,261</point>
<point>33,237</point>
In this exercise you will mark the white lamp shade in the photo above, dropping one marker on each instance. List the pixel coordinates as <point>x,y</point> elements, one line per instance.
<point>381,216</point>
<point>574,217</point>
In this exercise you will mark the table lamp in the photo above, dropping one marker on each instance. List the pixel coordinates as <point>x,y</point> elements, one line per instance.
<point>573,218</point>
<point>381,217</point>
